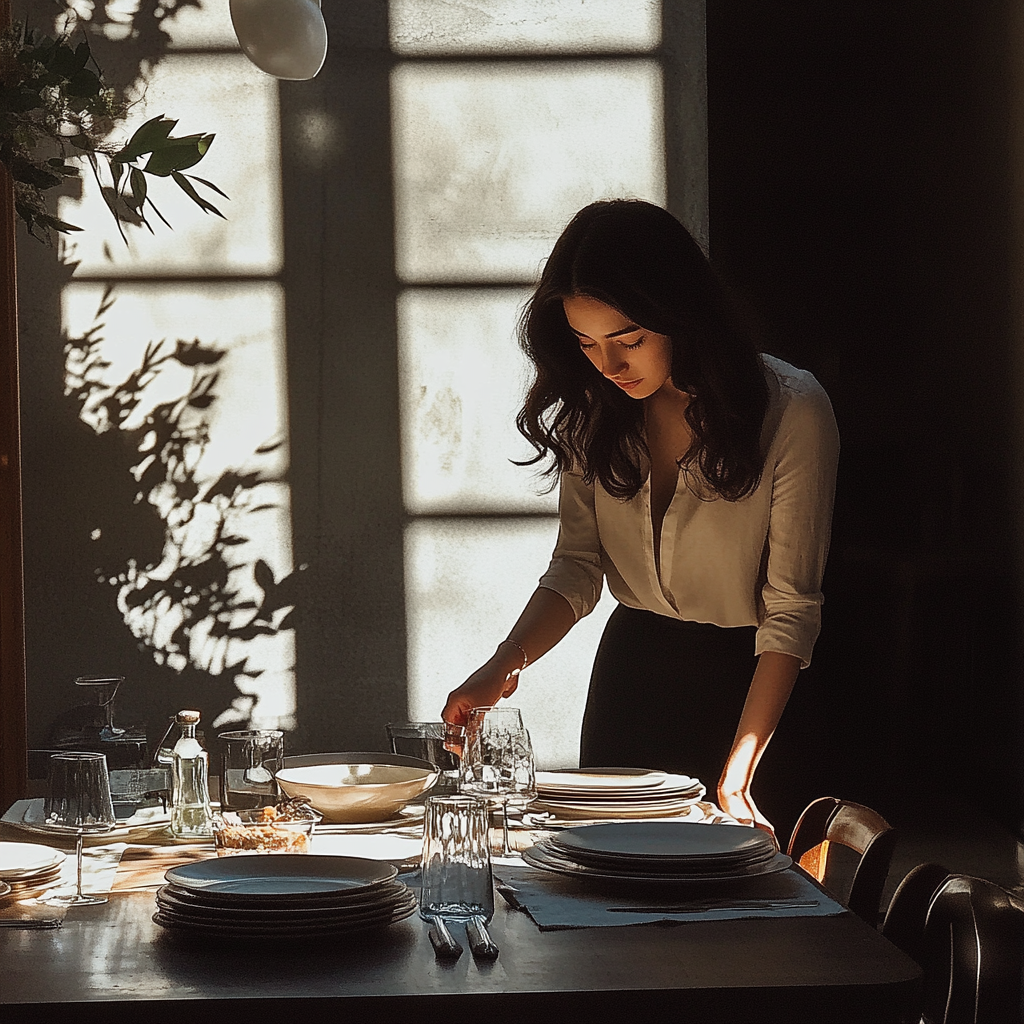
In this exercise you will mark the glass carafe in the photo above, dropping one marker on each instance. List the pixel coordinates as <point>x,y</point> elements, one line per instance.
<point>191,817</point>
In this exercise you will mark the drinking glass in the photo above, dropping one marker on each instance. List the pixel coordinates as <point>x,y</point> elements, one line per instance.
<point>249,760</point>
<point>498,764</point>
<point>425,740</point>
<point>78,802</point>
<point>456,864</point>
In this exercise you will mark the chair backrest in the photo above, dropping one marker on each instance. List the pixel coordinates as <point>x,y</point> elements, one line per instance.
<point>973,954</point>
<point>908,909</point>
<point>829,820</point>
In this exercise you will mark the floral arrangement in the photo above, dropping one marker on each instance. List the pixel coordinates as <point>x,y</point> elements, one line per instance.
<point>57,113</point>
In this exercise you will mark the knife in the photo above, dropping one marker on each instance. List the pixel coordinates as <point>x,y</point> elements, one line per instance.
<point>701,908</point>
<point>480,940</point>
<point>445,944</point>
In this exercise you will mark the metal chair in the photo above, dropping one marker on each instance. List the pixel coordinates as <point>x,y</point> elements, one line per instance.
<point>973,954</point>
<point>829,821</point>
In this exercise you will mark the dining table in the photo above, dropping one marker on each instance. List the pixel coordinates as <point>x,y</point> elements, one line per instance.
<point>112,962</point>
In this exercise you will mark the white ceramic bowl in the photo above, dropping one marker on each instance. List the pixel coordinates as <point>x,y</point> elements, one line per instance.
<point>357,791</point>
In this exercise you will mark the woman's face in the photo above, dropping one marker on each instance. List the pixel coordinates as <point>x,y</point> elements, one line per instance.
<point>639,361</point>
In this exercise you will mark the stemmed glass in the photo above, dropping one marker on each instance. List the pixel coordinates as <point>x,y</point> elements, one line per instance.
<point>79,802</point>
<point>497,763</point>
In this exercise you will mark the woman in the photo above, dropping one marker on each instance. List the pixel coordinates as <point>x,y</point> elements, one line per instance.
<point>697,476</point>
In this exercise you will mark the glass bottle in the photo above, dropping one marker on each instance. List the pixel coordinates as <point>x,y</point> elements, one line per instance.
<point>191,817</point>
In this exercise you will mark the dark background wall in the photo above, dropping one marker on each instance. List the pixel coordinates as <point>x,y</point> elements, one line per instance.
<point>861,193</point>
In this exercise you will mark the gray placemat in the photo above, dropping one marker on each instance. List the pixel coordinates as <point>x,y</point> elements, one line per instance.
<point>32,913</point>
<point>559,901</point>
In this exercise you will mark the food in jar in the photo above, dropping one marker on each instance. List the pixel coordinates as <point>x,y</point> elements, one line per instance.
<point>286,828</point>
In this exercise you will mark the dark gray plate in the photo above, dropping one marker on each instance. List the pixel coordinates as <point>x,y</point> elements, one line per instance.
<point>549,858</point>
<point>311,928</point>
<point>670,840</point>
<point>284,876</point>
<point>397,901</point>
<point>200,904</point>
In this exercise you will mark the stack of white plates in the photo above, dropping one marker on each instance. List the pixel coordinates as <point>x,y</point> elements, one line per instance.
<point>616,793</point>
<point>659,851</point>
<point>285,895</point>
<point>29,869</point>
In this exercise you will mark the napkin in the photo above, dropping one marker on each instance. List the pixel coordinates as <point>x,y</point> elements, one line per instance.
<point>32,913</point>
<point>399,850</point>
<point>143,867</point>
<point>558,901</point>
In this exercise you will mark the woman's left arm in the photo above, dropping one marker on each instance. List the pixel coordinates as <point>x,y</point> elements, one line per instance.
<point>766,699</point>
<point>804,454</point>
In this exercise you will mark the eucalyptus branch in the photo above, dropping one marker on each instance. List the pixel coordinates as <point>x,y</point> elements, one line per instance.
<point>56,112</point>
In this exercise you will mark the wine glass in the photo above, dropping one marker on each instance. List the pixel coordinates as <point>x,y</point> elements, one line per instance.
<point>497,762</point>
<point>79,802</point>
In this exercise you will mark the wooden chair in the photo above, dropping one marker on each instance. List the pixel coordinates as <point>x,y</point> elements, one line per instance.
<point>829,821</point>
<point>973,953</point>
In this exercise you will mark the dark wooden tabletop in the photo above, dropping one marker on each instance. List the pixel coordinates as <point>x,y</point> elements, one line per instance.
<point>111,963</point>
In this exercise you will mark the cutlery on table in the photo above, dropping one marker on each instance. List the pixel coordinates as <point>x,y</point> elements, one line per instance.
<point>480,940</point>
<point>446,946</point>
<point>701,908</point>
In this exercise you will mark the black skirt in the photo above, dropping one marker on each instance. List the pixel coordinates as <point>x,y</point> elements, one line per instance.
<point>668,694</point>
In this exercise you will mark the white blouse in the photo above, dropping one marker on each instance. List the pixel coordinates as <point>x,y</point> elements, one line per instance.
<point>753,562</point>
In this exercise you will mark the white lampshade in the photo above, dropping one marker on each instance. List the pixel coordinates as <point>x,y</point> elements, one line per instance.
<point>284,38</point>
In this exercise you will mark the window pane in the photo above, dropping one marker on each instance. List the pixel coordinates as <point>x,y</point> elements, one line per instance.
<point>210,464</point>
<point>513,26</point>
<point>194,25</point>
<point>491,161</point>
<point>466,583</point>
<point>238,104</point>
<point>462,381</point>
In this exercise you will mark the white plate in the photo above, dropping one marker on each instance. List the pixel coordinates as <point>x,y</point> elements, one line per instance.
<point>659,809</point>
<point>396,849</point>
<point>601,779</point>
<point>27,815</point>
<point>558,817</point>
<point>22,860</point>
<point>672,787</point>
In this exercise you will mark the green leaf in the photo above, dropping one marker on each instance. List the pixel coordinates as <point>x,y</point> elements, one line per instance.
<point>58,225</point>
<point>29,174</point>
<point>186,186</point>
<point>138,180</point>
<point>177,154</point>
<point>158,213</point>
<point>66,62</point>
<point>208,184</point>
<point>19,101</point>
<point>151,134</point>
<point>84,84</point>
<point>116,172</point>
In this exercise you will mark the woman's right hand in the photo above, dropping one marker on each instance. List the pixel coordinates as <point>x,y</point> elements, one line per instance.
<point>495,679</point>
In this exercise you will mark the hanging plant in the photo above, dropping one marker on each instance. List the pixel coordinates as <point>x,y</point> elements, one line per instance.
<point>57,113</point>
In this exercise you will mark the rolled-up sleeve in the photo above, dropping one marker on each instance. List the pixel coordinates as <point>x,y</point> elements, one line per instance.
<point>575,570</point>
<point>806,453</point>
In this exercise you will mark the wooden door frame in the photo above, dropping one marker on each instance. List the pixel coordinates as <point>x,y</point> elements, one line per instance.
<point>13,698</point>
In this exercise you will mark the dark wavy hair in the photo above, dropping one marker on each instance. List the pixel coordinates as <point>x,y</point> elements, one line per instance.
<point>640,260</point>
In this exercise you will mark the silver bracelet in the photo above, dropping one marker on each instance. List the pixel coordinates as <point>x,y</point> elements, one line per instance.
<point>521,650</point>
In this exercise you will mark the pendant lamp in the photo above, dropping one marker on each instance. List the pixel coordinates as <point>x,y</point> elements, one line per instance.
<point>284,38</point>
